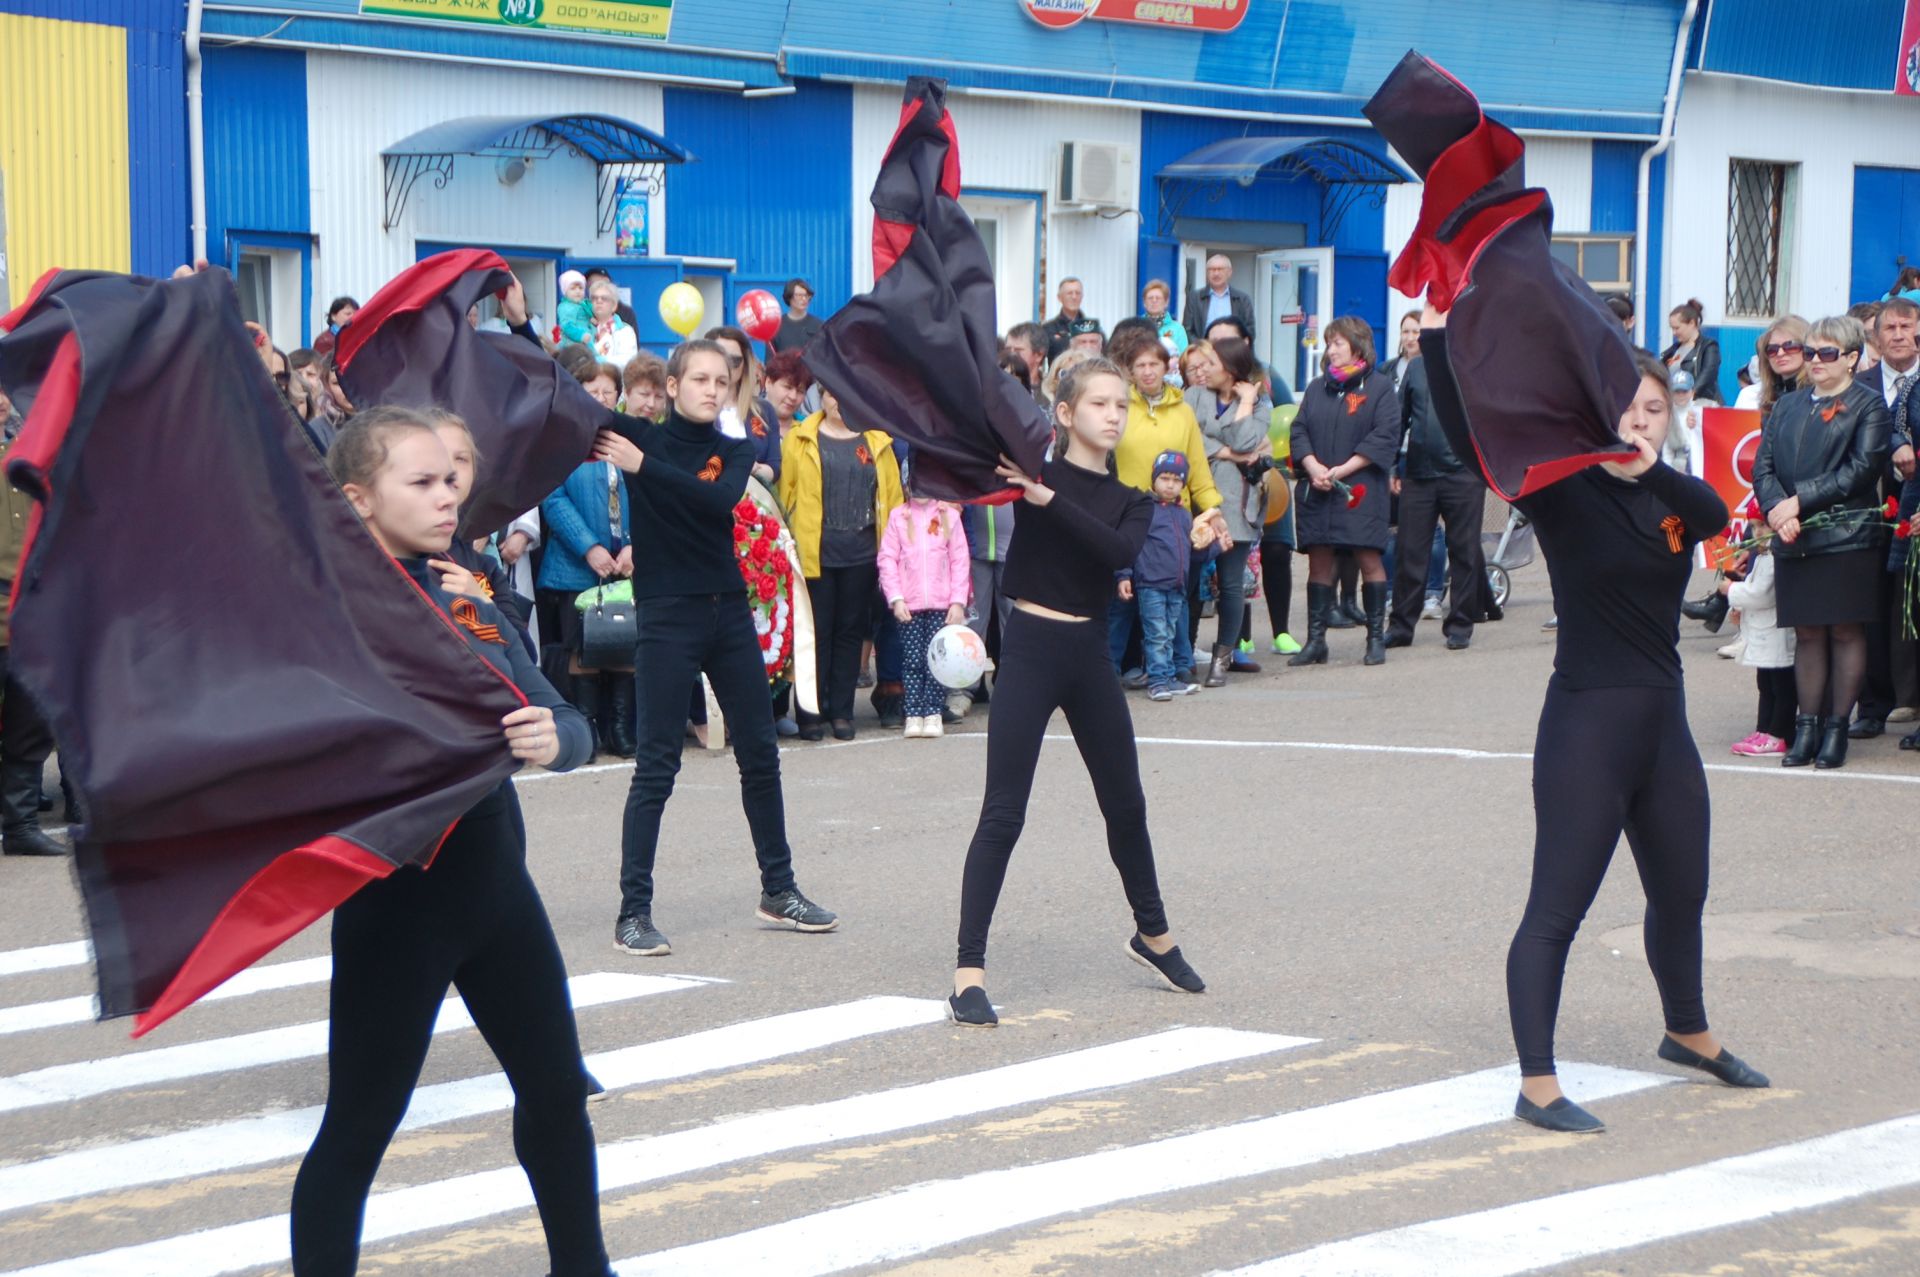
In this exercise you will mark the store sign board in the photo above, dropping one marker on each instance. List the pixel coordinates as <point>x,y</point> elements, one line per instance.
<point>637,19</point>
<point>1184,15</point>
<point>1906,78</point>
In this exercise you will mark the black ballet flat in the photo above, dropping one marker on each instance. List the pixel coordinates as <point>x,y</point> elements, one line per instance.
<point>1726,1066</point>
<point>972,1008</point>
<point>1563,1115</point>
<point>1169,966</point>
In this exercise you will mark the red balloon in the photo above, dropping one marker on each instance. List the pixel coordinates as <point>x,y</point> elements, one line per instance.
<point>758,314</point>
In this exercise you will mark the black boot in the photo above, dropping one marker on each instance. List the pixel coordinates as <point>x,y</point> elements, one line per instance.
<point>585,695</point>
<point>1217,669</point>
<point>20,832</point>
<point>1375,594</point>
<point>1806,740</point>
<point>620,717</point>
<point>1319,604</point>
<point>1833,744</point>
<point>1710,611</point>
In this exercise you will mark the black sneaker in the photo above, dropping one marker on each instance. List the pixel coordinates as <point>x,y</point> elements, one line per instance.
<point>1170,966</point>
<point>973,1009</point>
<point>791,909</point>
<point>635,934</point>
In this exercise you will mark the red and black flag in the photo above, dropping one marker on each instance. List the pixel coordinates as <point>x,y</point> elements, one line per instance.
<point>411,345</point>
<point>260,710</point>
<point>1526,337</point>
<point>918,357</point>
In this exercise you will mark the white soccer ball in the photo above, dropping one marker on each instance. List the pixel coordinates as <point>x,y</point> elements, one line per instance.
<point>957,657</point>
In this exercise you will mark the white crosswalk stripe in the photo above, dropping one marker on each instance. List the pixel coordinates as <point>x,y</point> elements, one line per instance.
<point>263,979</point>
<point>61,1083</point>
<point>45,957</point>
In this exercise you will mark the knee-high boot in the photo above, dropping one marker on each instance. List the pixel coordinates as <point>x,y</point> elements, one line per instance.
<point>1375,595</point>
<point>585,695</point>
<point>1319,605</point>
<point>620,727</point>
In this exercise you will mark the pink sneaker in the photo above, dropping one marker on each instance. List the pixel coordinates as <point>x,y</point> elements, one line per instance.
<point>1760,745</point>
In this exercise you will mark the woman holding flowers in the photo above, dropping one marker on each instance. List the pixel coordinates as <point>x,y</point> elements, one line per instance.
<point>1344,441</point>
<point>1817,478</point>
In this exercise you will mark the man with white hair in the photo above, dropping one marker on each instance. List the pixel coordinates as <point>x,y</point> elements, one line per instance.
<point>1218,300</point>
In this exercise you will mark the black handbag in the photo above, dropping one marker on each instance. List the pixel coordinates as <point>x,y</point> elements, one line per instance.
<point>609,633</point>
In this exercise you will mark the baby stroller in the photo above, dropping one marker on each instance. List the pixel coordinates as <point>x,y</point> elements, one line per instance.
<point>1508,550</point>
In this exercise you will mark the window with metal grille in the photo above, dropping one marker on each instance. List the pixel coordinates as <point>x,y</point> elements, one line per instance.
<point>1756,232</point>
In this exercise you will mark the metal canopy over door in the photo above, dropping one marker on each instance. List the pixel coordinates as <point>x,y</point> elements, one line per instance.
<point>1292,305</point>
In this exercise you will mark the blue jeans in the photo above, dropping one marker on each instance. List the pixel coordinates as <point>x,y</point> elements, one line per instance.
<point>1163,627</point>
<point>1121,614</point>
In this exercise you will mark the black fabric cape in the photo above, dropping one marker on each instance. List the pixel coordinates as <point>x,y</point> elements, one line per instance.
<point>1544,368</point>
<point>259,708</point>
<point>918,357</point>
<point>411,345</point>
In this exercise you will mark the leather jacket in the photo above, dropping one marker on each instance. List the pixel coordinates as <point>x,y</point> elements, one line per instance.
<point>1828,462</point>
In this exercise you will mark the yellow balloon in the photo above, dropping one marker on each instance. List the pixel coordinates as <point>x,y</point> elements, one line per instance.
<point>681,307</point>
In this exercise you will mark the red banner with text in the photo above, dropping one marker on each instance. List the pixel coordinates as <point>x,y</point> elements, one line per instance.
<point>1906,76</point>
<point>1730,440</point>
<point>1185,15</point>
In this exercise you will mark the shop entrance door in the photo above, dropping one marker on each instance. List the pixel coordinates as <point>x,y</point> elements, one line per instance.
<point>1292,305</point>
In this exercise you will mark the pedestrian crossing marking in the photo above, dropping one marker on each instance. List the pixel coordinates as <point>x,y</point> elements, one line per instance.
<point>1529,1236</point>
<point>251,1141</point>
<point>648,1159</point>
<point>912,1221</point>
<point>45,957</point>
<point>61,1083</point>
<point>261,979</point>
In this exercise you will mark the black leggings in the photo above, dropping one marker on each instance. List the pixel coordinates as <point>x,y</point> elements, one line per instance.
<point>1607,760</point>
<point>473,921</point>
<point>1047,665</point>
<point>842,601</point>
<point>1778,701</point>
<point>1276,582</point>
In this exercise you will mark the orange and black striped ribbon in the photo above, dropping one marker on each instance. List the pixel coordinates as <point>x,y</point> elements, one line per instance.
<point>467,617</point>
<point>1671,525</point>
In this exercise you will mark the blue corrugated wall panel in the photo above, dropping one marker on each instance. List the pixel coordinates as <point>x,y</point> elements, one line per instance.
<point>256,131</point>
<point>1616,186</point>
<point>746,199</point>
<point>156,118</point>
<point>1855,45</point>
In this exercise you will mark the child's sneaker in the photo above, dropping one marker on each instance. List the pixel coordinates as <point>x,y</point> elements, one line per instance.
<point>931,726</point>
<point>1160,692</point>
<point>1760,745</point>
<point>1285,645</point>
<point>1185,689</point>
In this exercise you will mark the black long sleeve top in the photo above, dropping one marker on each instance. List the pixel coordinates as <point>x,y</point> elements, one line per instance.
<point>1064,553</point>
<point>681,506</point>
<point>1619,552</point>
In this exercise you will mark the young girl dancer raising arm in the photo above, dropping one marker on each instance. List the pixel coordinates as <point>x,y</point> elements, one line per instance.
<point>1078,526</point>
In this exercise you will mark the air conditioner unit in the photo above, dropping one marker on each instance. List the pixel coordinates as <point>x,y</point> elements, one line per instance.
<point>1100,174</point>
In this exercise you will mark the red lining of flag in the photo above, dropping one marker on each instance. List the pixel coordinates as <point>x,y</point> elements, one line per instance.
<point>1461,170</point>
<point>41,435</point>
<point>412,289</point>
<point>283,899</point>
<point>11,320</point>
<point>890,240</point>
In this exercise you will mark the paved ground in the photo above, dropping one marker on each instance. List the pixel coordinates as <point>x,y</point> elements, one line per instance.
<point>1344,852</point>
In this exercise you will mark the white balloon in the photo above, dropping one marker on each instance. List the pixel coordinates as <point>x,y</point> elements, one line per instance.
<point>957,657</point>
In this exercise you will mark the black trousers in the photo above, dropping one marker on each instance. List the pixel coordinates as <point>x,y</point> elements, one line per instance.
<point>681,637</point>
<point>1609,760</point>
<point>473,921</point>
<point>842,601</point>
<point>25,744</point>
<point>1047,665</point>
<point>1779,700</point>
<point>1459,502</point>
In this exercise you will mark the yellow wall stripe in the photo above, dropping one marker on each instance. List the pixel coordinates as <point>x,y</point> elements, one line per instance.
<point>63,148</point>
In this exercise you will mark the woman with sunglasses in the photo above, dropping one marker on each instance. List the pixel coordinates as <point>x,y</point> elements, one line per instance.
<point>1783,363</point>
<point>1823,452</point>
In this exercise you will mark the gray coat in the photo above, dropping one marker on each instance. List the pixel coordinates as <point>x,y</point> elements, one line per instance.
<point>1332,426</point>
<point>1243,504</point>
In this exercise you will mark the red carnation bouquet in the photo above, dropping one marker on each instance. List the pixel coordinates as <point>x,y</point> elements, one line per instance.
<point>1885,515</point>
<point>1353,494</point>
<point>764,548</point>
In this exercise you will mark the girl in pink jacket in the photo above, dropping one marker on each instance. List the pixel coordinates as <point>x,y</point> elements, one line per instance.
<point>926,574</point>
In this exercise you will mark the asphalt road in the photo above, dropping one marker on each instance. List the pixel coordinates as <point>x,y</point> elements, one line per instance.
<point>1344,852</point>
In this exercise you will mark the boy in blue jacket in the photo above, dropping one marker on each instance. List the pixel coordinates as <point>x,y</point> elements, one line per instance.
<point>1157,582</point>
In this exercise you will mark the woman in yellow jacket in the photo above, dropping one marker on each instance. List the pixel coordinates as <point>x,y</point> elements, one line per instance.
<point>838,487</point>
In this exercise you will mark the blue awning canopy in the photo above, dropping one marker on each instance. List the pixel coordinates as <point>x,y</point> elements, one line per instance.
<point>1331,161</point>
<point>621,151</point>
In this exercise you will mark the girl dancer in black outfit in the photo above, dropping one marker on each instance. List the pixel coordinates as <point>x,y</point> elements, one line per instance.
<point>1079,525</point>
<point>1613,751</point>
<point>473,920</point>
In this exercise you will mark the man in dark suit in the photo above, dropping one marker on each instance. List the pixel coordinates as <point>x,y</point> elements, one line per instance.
<point>1218,300</point>
<point>1890,693</point>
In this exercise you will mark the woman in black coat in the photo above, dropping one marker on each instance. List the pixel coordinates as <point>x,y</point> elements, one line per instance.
<point>1693,352</point>
<point>1348,431</point>
<point>1824,449</point>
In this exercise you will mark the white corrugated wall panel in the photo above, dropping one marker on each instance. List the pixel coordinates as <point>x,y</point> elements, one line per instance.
<point>1826,133</point>
<point>1014,146</point>
<point>361,105</point>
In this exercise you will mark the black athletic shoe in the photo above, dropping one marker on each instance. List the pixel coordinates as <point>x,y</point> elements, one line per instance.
<point>1563,1115</point>
<point>793,910</point>
<point>1170,966</point>
<point>973,1009</point>
<point>635,934</point>
<point>596,1089</point>
<point>1726,1066</point>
